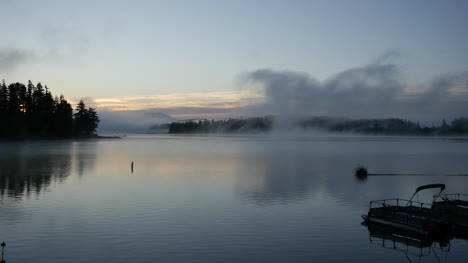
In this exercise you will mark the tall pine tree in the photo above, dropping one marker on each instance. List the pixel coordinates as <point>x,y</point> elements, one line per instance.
<point>86,120</point>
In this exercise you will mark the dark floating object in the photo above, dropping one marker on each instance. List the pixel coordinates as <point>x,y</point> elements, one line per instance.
<point>360,172</point>
<point>132,166</point>
<point>3,250</point>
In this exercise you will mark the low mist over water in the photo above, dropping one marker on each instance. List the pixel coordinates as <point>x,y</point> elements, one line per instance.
<point>233,131</point>
<point>215,198</point>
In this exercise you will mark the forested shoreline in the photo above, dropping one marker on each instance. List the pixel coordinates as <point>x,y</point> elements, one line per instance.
<point>32,112</point>
<point>390,126</point>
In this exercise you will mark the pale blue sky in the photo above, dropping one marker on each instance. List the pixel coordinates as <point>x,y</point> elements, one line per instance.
<point>108,49</point>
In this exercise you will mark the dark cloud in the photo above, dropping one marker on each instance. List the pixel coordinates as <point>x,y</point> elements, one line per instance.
<point>390,56</point>
<point>10,59</point>
<point>376,90</point>
<point>57,44</point>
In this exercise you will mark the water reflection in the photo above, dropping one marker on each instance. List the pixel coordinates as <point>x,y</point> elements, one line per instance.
<point>294,175</point>
<point>84,153</point>
<point>194,196</point>
<point>23,174</point>
<point>276,178</point>
<point>411,245</point>
<point>30,168</point>
<point>291,175</point>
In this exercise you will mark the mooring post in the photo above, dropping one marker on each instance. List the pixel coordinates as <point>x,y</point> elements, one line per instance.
<point>3,250</point>
<point>132,166</point>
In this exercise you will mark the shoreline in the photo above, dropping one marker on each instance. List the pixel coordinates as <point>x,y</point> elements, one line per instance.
<point>58,138</point>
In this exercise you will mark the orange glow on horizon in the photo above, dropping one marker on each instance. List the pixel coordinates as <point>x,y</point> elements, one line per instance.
<point>216,100</point>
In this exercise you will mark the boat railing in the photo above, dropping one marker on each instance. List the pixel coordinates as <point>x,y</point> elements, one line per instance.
<point>398,202</point>
<point>415,213</point>
<point>452,197</point>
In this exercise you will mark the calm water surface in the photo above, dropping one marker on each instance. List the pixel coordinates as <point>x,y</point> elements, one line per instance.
<point>216,199</point>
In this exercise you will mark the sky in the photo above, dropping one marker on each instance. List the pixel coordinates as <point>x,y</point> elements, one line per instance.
<point>245,57</point>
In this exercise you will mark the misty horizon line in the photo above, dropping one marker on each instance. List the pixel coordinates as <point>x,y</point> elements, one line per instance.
<point>374,90</point>
<point>267,124</point>
<point>279,117</point>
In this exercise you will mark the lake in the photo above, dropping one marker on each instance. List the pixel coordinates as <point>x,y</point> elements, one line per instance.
<point>217,198</point>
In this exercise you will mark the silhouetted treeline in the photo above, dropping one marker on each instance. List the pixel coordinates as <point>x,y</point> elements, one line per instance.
<point>392,126</point>
<point>159,128</point>
<point>223,126</point>
<point>28,111</point>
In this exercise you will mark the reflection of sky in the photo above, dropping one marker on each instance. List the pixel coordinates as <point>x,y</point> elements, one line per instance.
<point>219,198</point>
<point>260,167</point>
<point>324,169</point>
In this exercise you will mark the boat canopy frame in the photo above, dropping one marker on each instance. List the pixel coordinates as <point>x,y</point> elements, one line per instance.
<point>427,186</point>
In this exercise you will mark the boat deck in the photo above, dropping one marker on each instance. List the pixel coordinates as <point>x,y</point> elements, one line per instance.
<point>416,217</point>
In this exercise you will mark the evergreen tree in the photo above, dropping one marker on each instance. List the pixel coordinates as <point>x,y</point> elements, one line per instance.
<point>86,120</point>
<point>48,108</point>
<point>30,110</point>
<point>460,125</point>
<point>36,111</point>
<point>29,105</point>
<point>63,118</point>
<point>14,111</point>
<point>3,107</point>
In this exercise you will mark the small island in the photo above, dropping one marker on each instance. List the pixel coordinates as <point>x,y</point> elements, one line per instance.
<point>390,126</point>
<point>32,112</point>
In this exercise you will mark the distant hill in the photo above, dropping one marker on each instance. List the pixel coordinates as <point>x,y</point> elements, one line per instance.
<point>121,122</point>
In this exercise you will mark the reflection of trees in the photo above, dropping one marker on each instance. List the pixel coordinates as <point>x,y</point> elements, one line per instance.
<point>84,153</point>
<point>23,174</point>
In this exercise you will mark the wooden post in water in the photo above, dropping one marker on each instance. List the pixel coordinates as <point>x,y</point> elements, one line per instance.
<point>3,247</point>
<point>132,166</point>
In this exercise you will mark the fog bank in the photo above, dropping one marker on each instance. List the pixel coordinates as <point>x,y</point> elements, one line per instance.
<point>377,90</point>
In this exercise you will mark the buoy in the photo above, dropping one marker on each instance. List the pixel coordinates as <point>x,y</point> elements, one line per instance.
<point>132,166</point>
<point>360,172</point>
